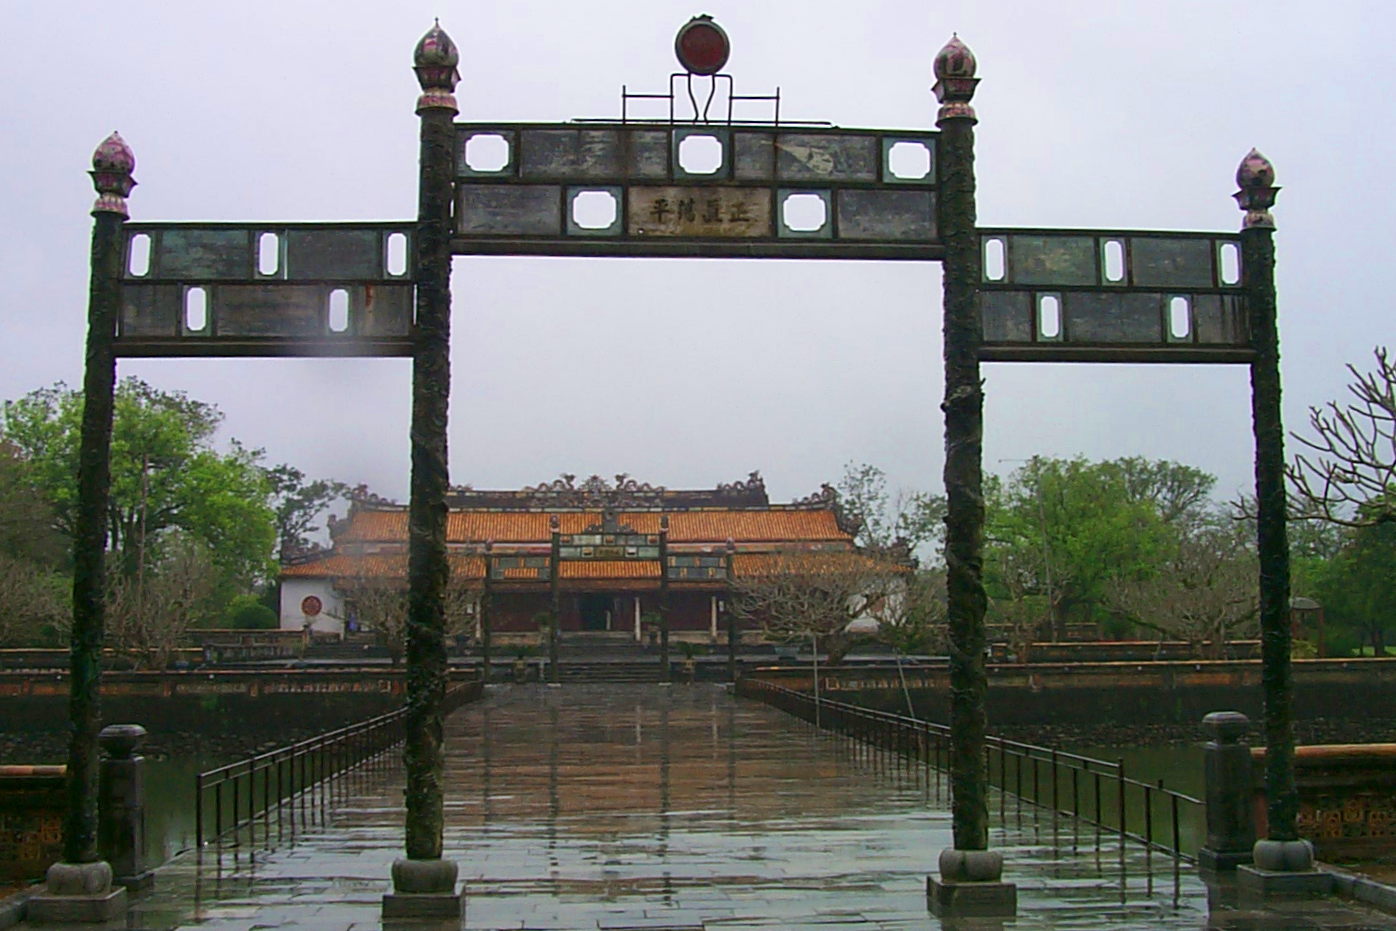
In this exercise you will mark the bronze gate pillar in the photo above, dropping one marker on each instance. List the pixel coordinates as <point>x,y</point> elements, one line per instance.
<point>79,887</point>
<point>1281,850</point>
<point>970,874</point>
<point>424,885</point>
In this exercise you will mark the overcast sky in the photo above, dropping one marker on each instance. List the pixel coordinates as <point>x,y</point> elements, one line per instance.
<point>690,373</point>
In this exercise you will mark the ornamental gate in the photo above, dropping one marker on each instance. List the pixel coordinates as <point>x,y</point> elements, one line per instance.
<point>699,183</point>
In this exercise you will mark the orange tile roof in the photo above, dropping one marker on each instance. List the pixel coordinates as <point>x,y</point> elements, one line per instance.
<point>749,565</point>
<point>377,566</point>
<point>698,526</point>
<point>610,569</point>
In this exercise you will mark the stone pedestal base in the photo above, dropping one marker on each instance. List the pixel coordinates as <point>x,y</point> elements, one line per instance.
<point>103,907</point>
<point>77,893</point>
<point>1257,884</point>
<point>971,899</point>
<point>970,885</point>
<point>423,905</point>
<point>1221,861</point>
<point>424,889</point>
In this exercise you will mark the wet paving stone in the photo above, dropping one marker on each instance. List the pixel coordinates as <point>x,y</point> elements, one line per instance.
<point>641,808</point>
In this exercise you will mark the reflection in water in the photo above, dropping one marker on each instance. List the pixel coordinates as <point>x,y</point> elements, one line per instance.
<point>647,806</point>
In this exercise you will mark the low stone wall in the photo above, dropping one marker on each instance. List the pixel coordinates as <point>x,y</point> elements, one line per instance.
<point>1347,798</point>
<point>1086,696</point>
<point>31,820</point>
<point>274,705</point>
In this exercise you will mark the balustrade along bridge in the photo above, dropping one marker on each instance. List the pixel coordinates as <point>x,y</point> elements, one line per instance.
<point>755,189</point>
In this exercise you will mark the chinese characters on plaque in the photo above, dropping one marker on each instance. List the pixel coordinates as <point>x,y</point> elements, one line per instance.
<point>734,212</point>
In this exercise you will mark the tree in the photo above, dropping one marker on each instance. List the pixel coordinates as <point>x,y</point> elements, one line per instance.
<point>911,618</point>
<point>813,596</point>
<point>166,477</point>
<point>1357,587</point>
<point>33,591</point>
<point>894,526</point>
<point>1059,530</point>
<point>298,503</point>
<point>378,601</point>
<point>26,520</point>
<point>1349,474</point>
<point>35,602</point>
<point>246,612</point>
<point>1203,592</point>
<point>149,614</point>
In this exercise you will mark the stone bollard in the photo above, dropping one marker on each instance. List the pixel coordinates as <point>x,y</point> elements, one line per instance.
<point>121,806</point>
<point>1229,792</point>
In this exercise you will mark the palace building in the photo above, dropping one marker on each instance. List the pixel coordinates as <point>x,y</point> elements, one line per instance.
<point>611,556</point>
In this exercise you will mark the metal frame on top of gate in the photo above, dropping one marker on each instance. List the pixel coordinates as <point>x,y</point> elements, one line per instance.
<point>680,187</point>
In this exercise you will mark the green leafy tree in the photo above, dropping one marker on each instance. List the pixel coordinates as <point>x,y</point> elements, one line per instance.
<point>246,612</point>
<point>298,503</point>
<point>166,477</point>
<point>33,589</point>
<point>1357,588</point>
<point>1060,531</point>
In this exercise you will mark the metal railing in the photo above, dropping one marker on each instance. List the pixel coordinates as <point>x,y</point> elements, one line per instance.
<point>289,788</point>
<point>1092,791</point>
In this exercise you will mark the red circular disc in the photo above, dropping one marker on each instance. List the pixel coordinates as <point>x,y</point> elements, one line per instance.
<point>702,46</point>
<point>311,606</point>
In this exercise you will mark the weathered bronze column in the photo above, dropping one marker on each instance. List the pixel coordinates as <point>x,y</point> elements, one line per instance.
<point>969,872</point>
<point>1281,849</point>
<point>79,887</point>
<point>424,883</point>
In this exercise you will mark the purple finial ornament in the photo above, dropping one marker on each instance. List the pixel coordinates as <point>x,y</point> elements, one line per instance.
<point>955,81</point>
<point>112,165</point>
<point>435,61</point>
<point>1255,178</point>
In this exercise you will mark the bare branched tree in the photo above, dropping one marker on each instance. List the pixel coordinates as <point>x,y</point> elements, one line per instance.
<point>1024,613</point>
<point>812,596</point>
<point>1203,593</point>
<point>1349,475</point>
<point>379,602</point>
<point>911,618</point>
<point>33,602</point>
<point>149,613</point>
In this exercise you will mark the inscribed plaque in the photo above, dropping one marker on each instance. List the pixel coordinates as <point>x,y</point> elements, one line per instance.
<point>706,212</point>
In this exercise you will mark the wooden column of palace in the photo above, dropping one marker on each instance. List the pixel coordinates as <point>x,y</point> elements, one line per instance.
<point>555,594</point>
<point>665,673</point>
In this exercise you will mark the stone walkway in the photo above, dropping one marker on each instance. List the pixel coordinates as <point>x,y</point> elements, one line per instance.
<point>644,807</point>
